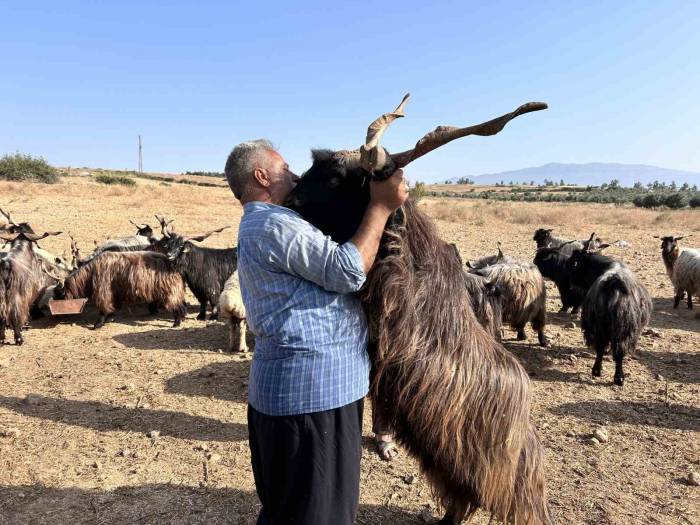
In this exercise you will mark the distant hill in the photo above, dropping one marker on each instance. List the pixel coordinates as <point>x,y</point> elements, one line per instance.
<point>594,173</point>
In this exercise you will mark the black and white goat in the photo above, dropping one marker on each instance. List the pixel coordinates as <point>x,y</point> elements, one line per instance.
<point>544,239</point>
<point>616,308</point>
<point>205,270</point>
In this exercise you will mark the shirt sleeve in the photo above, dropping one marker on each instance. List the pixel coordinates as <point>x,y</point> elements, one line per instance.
<point>302,250</point>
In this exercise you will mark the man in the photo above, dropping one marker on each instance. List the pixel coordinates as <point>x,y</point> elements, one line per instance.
<point>310,370</point>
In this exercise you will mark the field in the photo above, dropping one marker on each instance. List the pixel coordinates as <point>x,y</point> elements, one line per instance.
<point>84,404</point>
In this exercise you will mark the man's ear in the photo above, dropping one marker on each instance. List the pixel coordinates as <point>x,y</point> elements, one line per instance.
<point>262,177</point>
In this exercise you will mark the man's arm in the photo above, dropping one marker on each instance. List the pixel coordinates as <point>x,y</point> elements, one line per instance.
<point>385,197</point>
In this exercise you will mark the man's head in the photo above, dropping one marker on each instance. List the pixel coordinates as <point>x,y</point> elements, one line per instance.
<point>256,172</point>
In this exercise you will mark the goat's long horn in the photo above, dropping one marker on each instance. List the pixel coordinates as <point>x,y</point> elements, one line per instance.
<point>200,238</point>
<point>164,225</point>
<point>7,216</point>
<point>500,252</point>
<point>9,237</point>
<point>35,237</point>
<point>587,247</point>
<point>138,226</point>
<point>372,155</point>
<point>444,134</point>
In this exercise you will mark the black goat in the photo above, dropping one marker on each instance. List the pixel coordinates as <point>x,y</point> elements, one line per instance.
<point>205,270</point>
<point>554,266</point>
<point>615,310</point>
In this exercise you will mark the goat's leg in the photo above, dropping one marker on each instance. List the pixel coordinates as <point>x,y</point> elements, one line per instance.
<point>690,301</point>
<point>179,315</point>
<point>202,311</point>
<point>153,308</point>
<point>678,298</point>
<point>520,330</point>
<point>101,320</point>
<point>598,365</point>
<point>214,308</point>
<point>538,324</point>
<point>2,331</point>
<point>240,329</point>
<point>618,355</point>
<point>447,519</point>
<point>17,329</point>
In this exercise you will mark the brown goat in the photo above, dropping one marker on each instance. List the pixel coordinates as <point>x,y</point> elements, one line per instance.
<point>427,340</point>
<point>23,278</point>
<point>113,279</point>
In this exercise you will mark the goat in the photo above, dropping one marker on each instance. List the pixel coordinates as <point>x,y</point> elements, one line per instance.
<point>683,267</point>
<point>545,239</point>
<point>457,400</point>
<point>143,240</point>
<point>232,308</point>
<point>524,296</point>
<point>486,299</point>
<point>615,310</point>
<point>23,278</point>
<point>205,270</point>
<point>113,279</point>
<point>554,265</point>
<point>489,260</point>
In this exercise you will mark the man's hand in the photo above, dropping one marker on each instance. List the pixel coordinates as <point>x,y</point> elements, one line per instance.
<point>385,197</point>
<point>389,194</point>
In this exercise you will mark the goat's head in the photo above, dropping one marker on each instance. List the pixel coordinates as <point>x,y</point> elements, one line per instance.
<point>173,245</point>
<point>669,243</point>
<point>542,237</point>
<point>144,230</point>
<point>334,192</point>
<point>14,227</point>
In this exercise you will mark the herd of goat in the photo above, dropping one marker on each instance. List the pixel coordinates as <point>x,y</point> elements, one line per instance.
<point>142,268</point>
<point>151,269</point>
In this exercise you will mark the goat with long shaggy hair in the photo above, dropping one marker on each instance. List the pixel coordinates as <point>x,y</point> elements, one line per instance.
<point>615,310</point>
<point>23,278</point>
<point>524,295</point>
<point>486,299</point>
<point>113,279</point>
<point>457,400</point>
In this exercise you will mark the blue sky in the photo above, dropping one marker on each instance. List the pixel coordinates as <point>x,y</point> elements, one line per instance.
<point>81,80</point>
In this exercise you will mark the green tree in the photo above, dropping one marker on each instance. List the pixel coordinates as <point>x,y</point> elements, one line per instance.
<point>25,167</point>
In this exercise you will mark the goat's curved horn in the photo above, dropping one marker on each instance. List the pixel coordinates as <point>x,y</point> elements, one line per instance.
<point>444,134</point>
<point>164,225</point>
<point>9,237</point>
<point>35,237</point>
<point>7,216</point>
<point>138,226</point>
<point>589,242</point>
<point>372,155</point>
<point>500,252</point>
<point>200,238</point>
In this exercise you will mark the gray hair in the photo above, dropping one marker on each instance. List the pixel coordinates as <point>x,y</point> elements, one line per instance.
<point>241,163</point>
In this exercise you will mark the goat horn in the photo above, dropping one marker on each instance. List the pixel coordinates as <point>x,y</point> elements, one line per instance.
<point>200,238</point>
<point>372,156</point>
<point>9,237</point>
<point>35,237</point>
<point>444,134</point>
<point>500,252</point>
<point>588,243</point>
<point>138,226</point>
<point>7,216</point>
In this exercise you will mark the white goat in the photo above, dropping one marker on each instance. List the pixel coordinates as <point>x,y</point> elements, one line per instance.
<point>231,307</point>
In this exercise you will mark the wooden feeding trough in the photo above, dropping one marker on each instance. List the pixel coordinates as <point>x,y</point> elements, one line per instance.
<point>67,306</point>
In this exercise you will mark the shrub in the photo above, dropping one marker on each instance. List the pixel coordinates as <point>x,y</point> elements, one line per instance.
<point>695,202</point>
<point>106,178</point>
<point>25,167</point>
<point>417,192</point>
<point>653,200</point>
<point>676,201</point>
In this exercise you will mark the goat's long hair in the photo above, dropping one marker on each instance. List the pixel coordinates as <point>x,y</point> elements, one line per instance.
<point>115,278</point>
<point>486,299</point>
<point>206,271</point>
<point>458,401</point>
<point>524,290</point>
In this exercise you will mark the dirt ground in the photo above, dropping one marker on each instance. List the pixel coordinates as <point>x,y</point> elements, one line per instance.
<point>78,407</point>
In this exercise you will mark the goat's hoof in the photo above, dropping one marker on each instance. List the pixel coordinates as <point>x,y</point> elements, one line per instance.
<point>545,342</point>
<point>202,317</point>
<point>19,341</point>
<point>522,337</point>
<point>597,372</point>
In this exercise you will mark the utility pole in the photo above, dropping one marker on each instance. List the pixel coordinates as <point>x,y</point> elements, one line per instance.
<point>140,156</point>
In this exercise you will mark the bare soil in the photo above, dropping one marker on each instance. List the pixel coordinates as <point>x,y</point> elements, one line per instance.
<point>78,407</point>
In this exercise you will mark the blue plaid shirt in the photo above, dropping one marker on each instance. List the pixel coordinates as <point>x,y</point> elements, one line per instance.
<point>310,329</point>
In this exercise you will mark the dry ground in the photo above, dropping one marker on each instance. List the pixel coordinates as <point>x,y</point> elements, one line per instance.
<point>84,402</point>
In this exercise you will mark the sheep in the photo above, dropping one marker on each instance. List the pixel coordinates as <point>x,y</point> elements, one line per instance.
<point>205,270</point>
<point>683,267</point>
<point>554,265</point>
<point>232,308</point>
<point>113,279</point>
<point>545,239</point>
<point>524,296</point>
<point>23,278</point>
<point>457,400</point>
<point>616,308</point>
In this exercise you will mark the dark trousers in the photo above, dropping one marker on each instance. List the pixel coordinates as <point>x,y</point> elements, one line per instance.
<point>307,467</point>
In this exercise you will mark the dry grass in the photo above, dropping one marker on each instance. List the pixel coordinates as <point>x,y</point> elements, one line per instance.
<point>82,454</point>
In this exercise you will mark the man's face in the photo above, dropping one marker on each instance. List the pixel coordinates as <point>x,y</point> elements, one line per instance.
<point>282,180</point>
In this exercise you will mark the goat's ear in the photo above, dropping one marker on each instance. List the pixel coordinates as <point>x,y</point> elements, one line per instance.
<point>549,230</point>
<point>186,248</point>
<point>681,237</point>
<point>469,264</point>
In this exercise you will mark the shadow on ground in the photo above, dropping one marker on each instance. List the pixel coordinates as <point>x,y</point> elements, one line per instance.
<point>665,316</point>
<point>104,417</point>
<point>210,336</point>
<point>154,504</point>
<point>679,417</point>
<point>540,365</point>
<point>682,367</point>
<point>227,381</point>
